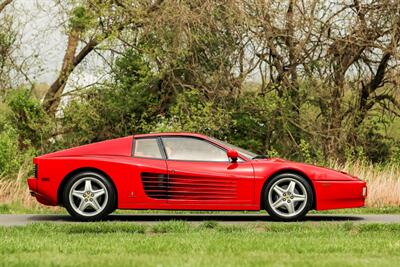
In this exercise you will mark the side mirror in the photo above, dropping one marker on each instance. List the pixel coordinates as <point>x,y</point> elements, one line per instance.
<point>232,154</point>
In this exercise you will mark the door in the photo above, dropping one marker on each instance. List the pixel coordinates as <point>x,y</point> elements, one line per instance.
<point>201,176</point>
<point>150,171</point>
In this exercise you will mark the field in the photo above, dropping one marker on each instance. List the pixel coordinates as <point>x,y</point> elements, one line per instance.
<point>206,244</point>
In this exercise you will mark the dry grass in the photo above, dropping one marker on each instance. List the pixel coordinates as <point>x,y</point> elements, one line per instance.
<point>15,196</point>
<point>16,191</point>
<point>383,182</point>
<point>13,192</point>
<point>383,186</point>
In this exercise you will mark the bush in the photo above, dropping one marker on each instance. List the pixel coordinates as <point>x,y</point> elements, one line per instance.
<point>24,132</point>
<point>9,152</point>
<point>191,112</point>
<point>26,115</point>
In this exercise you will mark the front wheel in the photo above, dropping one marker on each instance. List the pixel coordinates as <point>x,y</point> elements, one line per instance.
<point>288,197</point>
<point>89,196</point>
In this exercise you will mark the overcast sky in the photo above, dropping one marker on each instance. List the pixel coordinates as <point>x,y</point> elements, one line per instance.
<point>41,36</point>
<point>43,42</point>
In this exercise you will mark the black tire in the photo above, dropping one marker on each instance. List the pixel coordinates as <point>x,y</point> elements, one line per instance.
<point>302,208</point>
<point>108,204</point>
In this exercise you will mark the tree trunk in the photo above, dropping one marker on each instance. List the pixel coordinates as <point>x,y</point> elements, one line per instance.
<point>52,98</point>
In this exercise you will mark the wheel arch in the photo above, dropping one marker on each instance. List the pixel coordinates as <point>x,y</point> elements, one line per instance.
<point>79,170</point>
<point>292,171</point>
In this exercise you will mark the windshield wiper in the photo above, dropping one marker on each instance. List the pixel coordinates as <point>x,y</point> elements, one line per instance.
<point>259,157</point>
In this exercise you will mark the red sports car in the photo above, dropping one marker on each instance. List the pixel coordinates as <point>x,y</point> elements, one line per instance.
<point>186,171</point>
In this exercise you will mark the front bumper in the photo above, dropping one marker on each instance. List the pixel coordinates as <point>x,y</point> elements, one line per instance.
<point>340,194</point>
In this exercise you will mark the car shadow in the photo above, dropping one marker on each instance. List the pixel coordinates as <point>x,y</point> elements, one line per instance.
<point>232,218</point>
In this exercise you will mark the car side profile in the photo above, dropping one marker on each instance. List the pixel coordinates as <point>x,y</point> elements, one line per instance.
<point>186,171</point>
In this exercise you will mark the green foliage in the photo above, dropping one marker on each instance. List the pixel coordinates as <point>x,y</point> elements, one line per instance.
<point>376,145</point>
<point>28,118</point>
<point>6,41</point>
<point>395,159</point>
<point>370,143</point>
<point>81,18</point>
<point>9,152</point>
<point>194,51</point>
<point>192,113</point>
<point>82,123</point>
<point>24,131</point>
<point>137,101</point>
<point>305,153</point>
<point>272,153</point>
<point>258,124</point>
<point>118,109</point>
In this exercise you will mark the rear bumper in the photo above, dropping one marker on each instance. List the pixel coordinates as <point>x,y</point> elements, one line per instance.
<point>340,194</point>
<point>32,184</point>
<point>33,189</point>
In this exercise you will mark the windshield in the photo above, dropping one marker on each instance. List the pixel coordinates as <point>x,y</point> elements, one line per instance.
<point>244,152</point>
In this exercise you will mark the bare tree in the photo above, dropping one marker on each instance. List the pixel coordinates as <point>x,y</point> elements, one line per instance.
<point>7,39</point>
<point>349,48</point>
<point>110,17</point>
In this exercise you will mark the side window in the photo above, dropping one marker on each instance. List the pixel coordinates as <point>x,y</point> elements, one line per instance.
<point>186,148</point>
<point>147,148</point>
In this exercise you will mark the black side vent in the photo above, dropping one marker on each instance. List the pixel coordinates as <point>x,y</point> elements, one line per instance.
<point>155,185</point>
<point>36,170</point>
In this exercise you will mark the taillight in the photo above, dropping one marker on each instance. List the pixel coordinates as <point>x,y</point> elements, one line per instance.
<point>364,191</point>
<point>36,170</point>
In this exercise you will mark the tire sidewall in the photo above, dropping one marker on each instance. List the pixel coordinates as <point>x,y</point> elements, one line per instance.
<point>307,207</point>
<point>110,190</point>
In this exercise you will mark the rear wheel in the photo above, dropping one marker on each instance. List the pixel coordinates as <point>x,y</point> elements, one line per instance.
<point>288,197</point>
<point>89,196</point>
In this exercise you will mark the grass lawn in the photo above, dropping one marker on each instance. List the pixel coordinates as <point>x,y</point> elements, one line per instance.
<point>207,244</point>
<point>17,208</point>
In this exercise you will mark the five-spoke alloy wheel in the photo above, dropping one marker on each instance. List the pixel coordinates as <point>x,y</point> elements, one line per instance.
<point>288,197</point>
<point>89,196</point>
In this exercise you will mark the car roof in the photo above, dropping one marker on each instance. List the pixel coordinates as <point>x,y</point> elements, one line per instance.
<point>171,134</point>
<point>186,134</point>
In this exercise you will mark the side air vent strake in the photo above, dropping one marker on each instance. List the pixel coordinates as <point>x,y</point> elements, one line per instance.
<point>160,186</point>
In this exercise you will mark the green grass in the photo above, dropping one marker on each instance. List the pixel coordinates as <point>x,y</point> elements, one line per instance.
<point>207,244</point>
<point>17,208</point>
<point>383,210</point>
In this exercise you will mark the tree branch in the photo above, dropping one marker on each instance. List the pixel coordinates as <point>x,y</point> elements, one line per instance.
<point>4,4</point>
<point>71,61</point>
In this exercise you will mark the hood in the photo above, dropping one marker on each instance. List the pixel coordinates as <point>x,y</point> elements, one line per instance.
<point>271,160</point>
<point>312,171</point>
<point>115,147</point>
